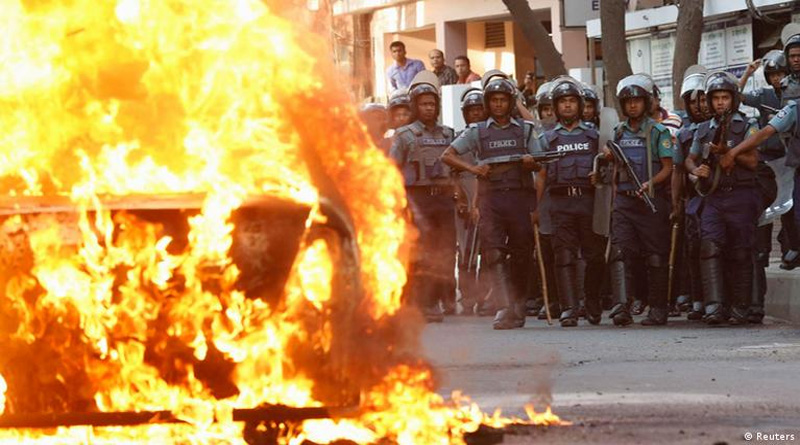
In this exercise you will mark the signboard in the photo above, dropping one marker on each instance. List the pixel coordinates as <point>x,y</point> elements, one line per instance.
<point>712,49</point>
<point>739,45</point>
<point>661,52</point>
<point>575,13</point>
<point>639,55</point>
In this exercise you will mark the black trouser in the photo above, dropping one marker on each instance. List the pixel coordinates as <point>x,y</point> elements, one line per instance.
<point>432,275</point>
<point>507,238</point>
<point>643,237</point>
<point>574,238</point>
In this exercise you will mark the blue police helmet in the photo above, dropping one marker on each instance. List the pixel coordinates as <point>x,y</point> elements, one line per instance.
<point>722,81</point>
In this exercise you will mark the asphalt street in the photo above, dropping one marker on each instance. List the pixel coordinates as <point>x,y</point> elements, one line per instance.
<point>683,383</point>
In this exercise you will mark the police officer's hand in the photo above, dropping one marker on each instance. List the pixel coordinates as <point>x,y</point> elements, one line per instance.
<point>475,214</point>
<point>608,154</point>
<point>753,66</point>
<point>481,170</point>
<point>645,188</point>
<point>535,217</point>
<point>677,211</point>
<point>718,149</point>
<point>702,172</point>
<point>529,163</point>
<point>726,162</point>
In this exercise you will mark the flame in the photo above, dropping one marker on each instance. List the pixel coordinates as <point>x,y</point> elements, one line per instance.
<point>199,108</point>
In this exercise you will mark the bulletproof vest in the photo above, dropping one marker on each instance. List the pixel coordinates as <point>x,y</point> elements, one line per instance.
<point>790,89</point>
<point>793,146</point>
<point>635,148</point>
<point>573,169</point>
<point>685,138</point>
<point>499,142</point>
<point>424,166</point>
<point>773,147</point>
<point>737,130</point>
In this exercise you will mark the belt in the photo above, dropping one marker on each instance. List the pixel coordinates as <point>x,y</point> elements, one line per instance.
<point>631,193</point>
<point>437,190</point>
<point>572,191</point>
<point>727,188</point>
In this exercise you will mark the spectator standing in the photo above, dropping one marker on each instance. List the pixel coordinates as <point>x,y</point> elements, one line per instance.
<point>528,88</point>
<point>464,71</point>
<point>403,70</point>
<point>447,75</point>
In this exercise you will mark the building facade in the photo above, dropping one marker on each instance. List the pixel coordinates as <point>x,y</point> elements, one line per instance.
<point>480,29</point>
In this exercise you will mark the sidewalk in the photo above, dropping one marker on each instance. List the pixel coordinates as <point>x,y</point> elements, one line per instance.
<point>783,293</point>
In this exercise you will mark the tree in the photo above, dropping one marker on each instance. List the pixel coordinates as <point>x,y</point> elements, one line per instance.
<point>687,44</point>
<point>538,37</point>
<point>615,60</point>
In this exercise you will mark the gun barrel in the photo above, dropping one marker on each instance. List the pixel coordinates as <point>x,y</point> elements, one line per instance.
<point>770,109</point>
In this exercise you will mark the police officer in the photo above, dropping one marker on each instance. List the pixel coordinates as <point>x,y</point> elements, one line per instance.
<point>544,106</point>
<point>790,85</point>
<point>572,203</point>
<point>374,117</point>
<point>416,149</point>
<point>591,105</point>
<point>506,198</point>
<point>466,222</point>
<point>766,99</point>
<point>399,109</point>
<point>684,195</point>
<point>731,206</point>
<point>787,124</point>
<point>637,232</point>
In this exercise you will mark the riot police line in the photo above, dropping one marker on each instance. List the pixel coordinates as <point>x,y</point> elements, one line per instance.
<point>589,212</point>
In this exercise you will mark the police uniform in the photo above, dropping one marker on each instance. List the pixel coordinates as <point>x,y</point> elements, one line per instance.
<point>790,89</point>
<point>693,204</point>
<point>770,150</point>
<point>417,149</point>
<point>637,232</point>
<point>505,200</point>
<point>787,123</point>
<point>728,226</point>
<point>466,186</point>
<point>571,214</point>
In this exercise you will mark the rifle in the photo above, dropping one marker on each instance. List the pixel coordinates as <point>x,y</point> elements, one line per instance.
<point>706,186</point>
<point>620,157</point>
<point>543,157</point>
<point>473,248</point>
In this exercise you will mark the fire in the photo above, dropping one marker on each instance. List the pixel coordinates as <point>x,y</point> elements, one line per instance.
<point>140,141</point>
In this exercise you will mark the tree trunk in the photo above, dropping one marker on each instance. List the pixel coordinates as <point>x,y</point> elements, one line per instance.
<point>615,52</point>
<point>538,37</point>
<point>687,44</point>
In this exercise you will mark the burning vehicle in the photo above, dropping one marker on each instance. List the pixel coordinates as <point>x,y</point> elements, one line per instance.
<point>199,242</point>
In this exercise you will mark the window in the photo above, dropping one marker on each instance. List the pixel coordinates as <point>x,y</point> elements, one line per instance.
<point>495,35</point>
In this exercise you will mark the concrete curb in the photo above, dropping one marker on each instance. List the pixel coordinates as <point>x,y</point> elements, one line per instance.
<point>783,294</point>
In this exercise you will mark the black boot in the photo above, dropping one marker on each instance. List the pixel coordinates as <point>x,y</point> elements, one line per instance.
<point>697,311</point>
<point>533,306</point>
<point>621,278</point>
<point>638,307</point>
<point>502,291</point>
<point>790,260</point>
<point>684,303</point>
<point>594,275</point>
<point>695,283</point>
<point>755,314</point>
<point>658,281</point>
<point>567,287</point>
<point>742,268</point>
<point>711,270</point>
<point>555,309</point>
